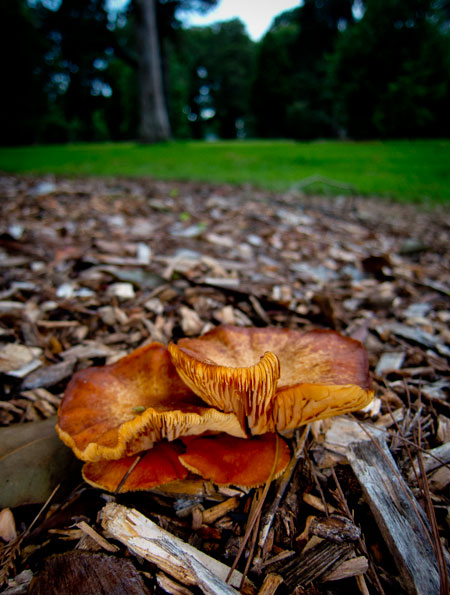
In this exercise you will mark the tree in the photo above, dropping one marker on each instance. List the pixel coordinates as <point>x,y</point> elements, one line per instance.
<point>220,63</point>
<point>89,67</point>
<point>390,71</point>
<point>153,20</point>
<point>79,47</point>
<point>290,96</point>
<point>276,83</point>
<point>23,96</point>
<point>154,123</point>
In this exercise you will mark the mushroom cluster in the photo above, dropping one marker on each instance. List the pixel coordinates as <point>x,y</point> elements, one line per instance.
<point>213,405</point>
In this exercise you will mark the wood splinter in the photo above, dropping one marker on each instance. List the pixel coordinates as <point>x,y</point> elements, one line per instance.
<point>170,554</point>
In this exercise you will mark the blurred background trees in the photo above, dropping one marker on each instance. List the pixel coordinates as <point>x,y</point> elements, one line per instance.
<point>74,71</point>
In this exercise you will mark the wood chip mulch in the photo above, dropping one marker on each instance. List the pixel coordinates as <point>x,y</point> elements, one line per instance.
<point>93,268</point>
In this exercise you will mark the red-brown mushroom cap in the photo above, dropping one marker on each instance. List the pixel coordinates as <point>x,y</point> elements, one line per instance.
<point>224,459</point>
<point>231,370</point>
<point>300,376</point>
<point>323,374</point>
<point>158,466</point>
<point>113,411</point>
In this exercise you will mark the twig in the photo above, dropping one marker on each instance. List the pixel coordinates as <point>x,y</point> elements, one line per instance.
<point>10,550</point>
<point>127,474</point>
<point>316,178</point>
<point>428,453</point>
<point>257,511</point>
<point>268,519</point>
<point>325,504</point>
<point>251,551</point>
<point>401,437</point>
<point>361,543</point>
<point>99,539</point>
<point>259,310</point>
<point>438,550</point>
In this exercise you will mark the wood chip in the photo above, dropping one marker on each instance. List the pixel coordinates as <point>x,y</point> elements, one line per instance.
<point>102,542</point>
<point>436,463</point>
<point>215,512</point>
<point>349,568</point>
<point>318,503</point>
<point>190,321</point>
<point>399,516</point>
<point>175,557</point>
<point>49,375</point>
<point>11,308</point>
<point>334,528</point>
<point>270,585</point>
<point>14,357</point>
<point>313,565</point>
<point>7,525</point>
<point>170,586</point>
<point>57,323</point>
<point>389,362</point>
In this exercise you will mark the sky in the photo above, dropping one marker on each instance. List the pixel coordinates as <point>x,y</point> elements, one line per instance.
<point>257,15</point>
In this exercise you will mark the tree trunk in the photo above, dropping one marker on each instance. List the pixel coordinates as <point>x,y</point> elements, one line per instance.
<point>154,123</point>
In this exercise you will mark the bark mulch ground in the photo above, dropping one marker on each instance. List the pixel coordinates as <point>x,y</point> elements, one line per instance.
<point>93,268</point>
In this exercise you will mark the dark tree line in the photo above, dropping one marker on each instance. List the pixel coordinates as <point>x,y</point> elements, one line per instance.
<point>329,68</point>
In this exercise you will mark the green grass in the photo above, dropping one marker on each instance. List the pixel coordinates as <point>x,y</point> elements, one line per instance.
<point>409,171</point>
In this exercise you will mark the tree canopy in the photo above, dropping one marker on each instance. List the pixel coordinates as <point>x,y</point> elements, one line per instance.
<point>328,68</point>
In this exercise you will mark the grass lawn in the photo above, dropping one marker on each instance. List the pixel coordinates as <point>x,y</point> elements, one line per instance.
<point>410,171</point>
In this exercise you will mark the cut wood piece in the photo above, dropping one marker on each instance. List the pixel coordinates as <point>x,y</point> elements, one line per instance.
<point>336,528</point>
<point>270,584</point>
<point>315,564</point>
<point>181,488</point>
<point>318,503</point>
<point>101,541</point>
<point>389,362</point>
<point>341,431</point>
<point>349,568</point>
<point>170,586</point>
<point>400,518</point>
<point>172,555</point>
<point>433,459</point>
<point>220,510</point>
<point>436,464</point>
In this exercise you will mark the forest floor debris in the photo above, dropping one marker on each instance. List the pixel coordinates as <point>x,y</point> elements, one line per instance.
<point>93,268</point>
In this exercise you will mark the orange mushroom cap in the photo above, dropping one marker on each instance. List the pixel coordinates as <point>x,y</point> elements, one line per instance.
<point>225,459</point>
<point>116,410</point>
<point>273,378</point>
<point>158,466</point>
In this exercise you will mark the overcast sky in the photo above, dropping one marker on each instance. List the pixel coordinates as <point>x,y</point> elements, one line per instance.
<point>257,15</point>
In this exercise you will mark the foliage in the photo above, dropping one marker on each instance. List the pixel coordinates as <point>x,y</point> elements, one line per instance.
<point>410,171</point>
<point>21,47</point>
<point>74,65</point>
<point>290,94</point>
<point>219,66</point>
<point>391,72</point>
<point>319,72</point>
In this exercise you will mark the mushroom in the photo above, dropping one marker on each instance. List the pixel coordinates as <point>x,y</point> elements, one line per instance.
<point>275,379</point>
<point>157,466</point>
<point>120,409</point>
<point>229,391</point>
<point>243,462</point>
